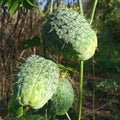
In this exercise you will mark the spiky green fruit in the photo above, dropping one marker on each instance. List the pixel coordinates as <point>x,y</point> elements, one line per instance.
<point>35,81</point>
<point>63,99</point>
<point>71,34</point>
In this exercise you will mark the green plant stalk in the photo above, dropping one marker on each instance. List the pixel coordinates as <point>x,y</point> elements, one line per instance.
<point>68,116</point>
<point>91,20</point>
<point>80,90</point>
<point>37,7</point>
<point>40,11</point>
<point>51,6</point>
<point>93,66</point>
<point>80,7</point>
<point>93,11</point>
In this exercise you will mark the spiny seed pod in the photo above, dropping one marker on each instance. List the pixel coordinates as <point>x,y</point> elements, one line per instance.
<point>35,81</point>
<point>63,99</point>
<point>71,34</point>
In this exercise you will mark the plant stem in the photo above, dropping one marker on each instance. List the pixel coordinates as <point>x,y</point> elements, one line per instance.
<point>40,11</point>
<point>80,7</point>
<point>80,90</point>
<point>93,66</point>
<point>68,116</point>
<point>37,7</point>
<point>51,6</point>
<point>93,11</point>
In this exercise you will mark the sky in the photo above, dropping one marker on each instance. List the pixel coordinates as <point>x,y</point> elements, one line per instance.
<point>66,1</point>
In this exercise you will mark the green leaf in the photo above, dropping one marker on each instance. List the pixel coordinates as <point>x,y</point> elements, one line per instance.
<point>3,2</point>
<point>14,107</point>
<point>27,117</point>
<point>35,117</point>
<point>31,43</point>
<point>67,68</point>
<point>12,5</point>
<point>28,4</point>
<point>15,118</point>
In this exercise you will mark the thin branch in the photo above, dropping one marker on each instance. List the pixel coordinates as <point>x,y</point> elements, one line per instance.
<point>93,11</point>
<point>80,7</point>
<point>51,6</point>
<point>80,90</point>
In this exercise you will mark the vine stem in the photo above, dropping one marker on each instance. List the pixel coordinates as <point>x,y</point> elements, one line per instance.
<point>81,62</point>
<point>68,116</point>
<point>80,90</point>
<point>81,72</point>
<point>37,7</point>
<point>93,11</point>
<point>40,11</point>
<point>80,7</point>
<point>51,6</point>
<point>91,20</point>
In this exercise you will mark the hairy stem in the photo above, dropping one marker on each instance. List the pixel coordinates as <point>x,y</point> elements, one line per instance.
<point>80,90</point>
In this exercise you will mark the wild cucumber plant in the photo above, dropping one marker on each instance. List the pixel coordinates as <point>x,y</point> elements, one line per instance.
<point>37,78</point>
<point>71,34</point>
<point>63,99</point>
<point>35,81</point>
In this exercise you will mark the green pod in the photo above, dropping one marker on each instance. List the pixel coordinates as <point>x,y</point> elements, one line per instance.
<point>63,99</point>
<point>35,81</point>
<point>70,33</point>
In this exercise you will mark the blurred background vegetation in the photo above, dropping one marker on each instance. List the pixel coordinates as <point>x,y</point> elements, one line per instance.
<point>21,35</point>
